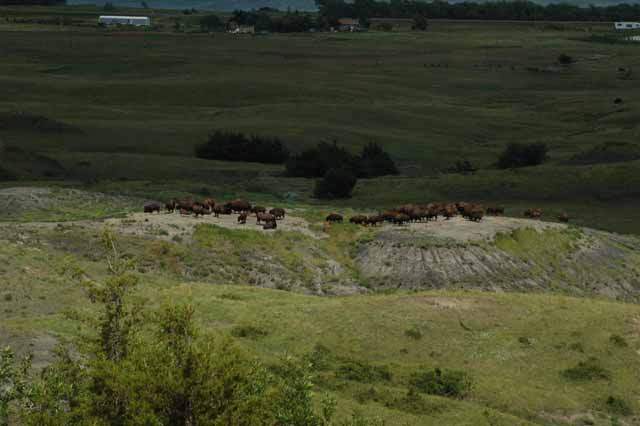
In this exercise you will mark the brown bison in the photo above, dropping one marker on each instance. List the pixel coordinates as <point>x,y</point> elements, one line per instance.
<point>258,209</point>
<point>277,212</point>
<point>400,219</point>
<point>475,214</point>
<point>152,207</point>
<point>209,203</point>
<point>388,216</point>
<point>564,217</point>
<point>170,206</point>
<point>185,212</point>
<point>239,206</point>
<point>358,219</point>
<point>334,217</point>
<point>270,225</point>
<point>495,211</point>
<point>198,209</point>
<point>221,209</point>
<point>449,211</point>
<point>533,213</point>
<point>185,203</point>
<point>242,218</point>
<point>373,220</point>
<point>265,217</point>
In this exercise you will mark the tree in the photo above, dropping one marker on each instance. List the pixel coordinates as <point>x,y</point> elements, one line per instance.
<point>420,23</point>
<point>108,6</point>
<point>522,155</point>
<point>374,161</point>
<point>211,23</point>
<point>336,183</point>
<point>565,59</point>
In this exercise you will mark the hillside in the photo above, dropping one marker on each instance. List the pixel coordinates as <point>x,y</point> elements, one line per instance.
<point>513,347</point>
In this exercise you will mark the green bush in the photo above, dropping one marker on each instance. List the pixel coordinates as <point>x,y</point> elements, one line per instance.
<point>335,184</point>
<point>360,371</point>
<point>522,155</point>
<point>413,333</point>
<point>565,59</point>
<point>248,331</point>
<point>447,383</point>
<point>617,405</point>
<point>586,370</point>
<point>618,340</point>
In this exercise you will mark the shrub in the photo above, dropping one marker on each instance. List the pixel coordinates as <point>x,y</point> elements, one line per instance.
<point>617,405</point>
<point>374,162</point>
<point>420,23</point>
<point>565,59</point>
<point>586,370</point>
<point>522,155</point>
<point>618,340</point>
<point>211,23</point>
<point>413,333</point>
<point>447,383</point>
<point>360,371</point>
<point>248,331</point>
<point>336,184</point>
<point>230,146</point>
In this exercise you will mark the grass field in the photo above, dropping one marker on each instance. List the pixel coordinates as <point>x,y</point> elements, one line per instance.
<point>139,101</point>
<point>514,348</point>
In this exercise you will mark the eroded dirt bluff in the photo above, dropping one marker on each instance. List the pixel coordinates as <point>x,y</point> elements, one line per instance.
<point>502,254</point>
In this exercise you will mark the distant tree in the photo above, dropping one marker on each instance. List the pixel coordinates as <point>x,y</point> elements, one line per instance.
<point>374,161</point>
<point>522,155</point>
<point>565,59</point>
<point>231,146</point>
<point>211,23</point>
<point>315,162</point>
<point>109,6</point>
<point>420,23</point>
<point>336,183</point>
<point>145,5</point>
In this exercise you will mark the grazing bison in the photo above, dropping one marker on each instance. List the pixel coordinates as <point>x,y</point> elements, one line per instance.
<point>334,217</point>
<point>475,214</point>
<point>242,218</point>
<point>533,213</point>
<point>495,211</point>
<point>373,220</point>
<point>449,211</point>
<point>400,219</point>
<point>198,209</point>
<point>209,203</point>
<point>185,203</point>
<point>270,225</point>
<point>239,206</point>
<point>221,209</point>
<point>358,219</point>
<point>277,212</point>
<point>564,217</point>
<point>258,209</point>
<point>152,207</point>
<point>185,212</point>
<point>388,216</point>
<point>265,217</point>
<point>171,205</point>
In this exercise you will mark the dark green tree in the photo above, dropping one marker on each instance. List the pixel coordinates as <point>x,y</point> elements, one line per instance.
<point>336,183</point>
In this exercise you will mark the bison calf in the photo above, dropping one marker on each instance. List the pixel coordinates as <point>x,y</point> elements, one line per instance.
<point>242,218</point>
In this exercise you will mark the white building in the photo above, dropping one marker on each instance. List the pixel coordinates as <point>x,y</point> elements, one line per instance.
<point>139,21</point>
<point>627,25</point>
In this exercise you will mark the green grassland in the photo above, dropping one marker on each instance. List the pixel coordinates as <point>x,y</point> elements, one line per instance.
<point>365,348</point>
<point>139,101</point>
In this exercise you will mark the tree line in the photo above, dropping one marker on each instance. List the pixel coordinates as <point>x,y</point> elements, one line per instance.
<point>32,2</point>
<point>332,10</point>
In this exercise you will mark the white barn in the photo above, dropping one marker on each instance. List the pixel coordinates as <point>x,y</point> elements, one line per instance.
<point>139,21</point>
<point>627,25</point>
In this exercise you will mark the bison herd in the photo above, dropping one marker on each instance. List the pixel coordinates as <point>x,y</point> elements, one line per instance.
<point>400,215</point>
<point>419,213</point>
<point>189,207</point>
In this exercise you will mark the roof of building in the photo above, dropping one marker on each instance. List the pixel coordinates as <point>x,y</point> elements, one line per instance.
<point>122,17</point>
<point>348,21</point>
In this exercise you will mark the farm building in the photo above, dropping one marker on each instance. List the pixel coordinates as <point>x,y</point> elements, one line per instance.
<point>627,25</point>
<point>139,21</point>
<point>349,25</point>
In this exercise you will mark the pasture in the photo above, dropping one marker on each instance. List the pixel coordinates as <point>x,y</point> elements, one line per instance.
<point>140,101</point>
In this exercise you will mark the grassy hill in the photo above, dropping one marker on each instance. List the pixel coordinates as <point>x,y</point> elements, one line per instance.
<point>531,359</point>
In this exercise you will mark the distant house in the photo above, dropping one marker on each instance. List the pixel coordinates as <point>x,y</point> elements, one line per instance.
<point>234,28</point>
<point>395,24</point>
<point>349,25</point>
<point>138,21</point>
<point>627,25</point>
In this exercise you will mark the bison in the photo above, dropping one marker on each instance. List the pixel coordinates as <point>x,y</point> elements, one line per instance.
<point>400,219</point>
<point>221,209</point>
<point>564,217</point>
<point>265,217</point>
<point>185,212</point>
<point>198,209</point>
<point>358,219</point>
<point>533,213</point>
<point>270,225</point>
<point>495,211</point>
<point>238,206</point>
<point>334,217</point>
<point>185,203</point>
<point>242,218</point>
<point>277,212</point>
<point>171,205</point>
<point>373,220</point>
<point>209,203</point>
<point>152,207</point>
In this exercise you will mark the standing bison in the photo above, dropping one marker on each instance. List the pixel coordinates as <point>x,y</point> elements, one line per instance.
<point>265,217</point>
<point>334,217</point>
<point>239,206</point>
<point>564,217</point>
<point>277,212</point>
<point>152,207</point>
<point>272,224</point>
<point>242,218</point>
